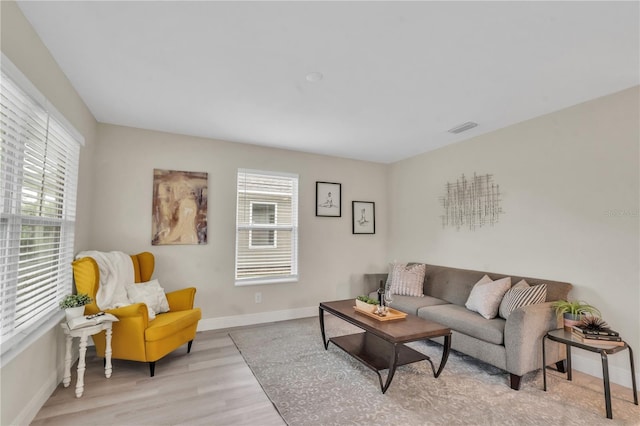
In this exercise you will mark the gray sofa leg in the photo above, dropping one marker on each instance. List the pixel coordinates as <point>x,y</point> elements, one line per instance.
<point>515,381</point>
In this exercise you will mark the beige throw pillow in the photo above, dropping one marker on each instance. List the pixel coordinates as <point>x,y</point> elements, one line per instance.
<point>151,294</point>
<point>486,295</point>
<point>407,280</point>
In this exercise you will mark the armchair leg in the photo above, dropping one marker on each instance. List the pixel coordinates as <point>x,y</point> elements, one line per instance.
<point>515,382</point>
<point>561,366</point>
<point>152,368</point>
<point>189,346</point>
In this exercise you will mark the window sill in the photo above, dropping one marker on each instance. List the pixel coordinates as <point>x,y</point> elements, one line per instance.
<point>262,281</point>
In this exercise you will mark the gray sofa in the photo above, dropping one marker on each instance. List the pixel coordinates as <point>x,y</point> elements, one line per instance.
<point>513,345</point>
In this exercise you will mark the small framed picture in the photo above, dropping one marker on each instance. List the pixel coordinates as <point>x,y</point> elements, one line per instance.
<point>328,199</point>
<point>364,217</point>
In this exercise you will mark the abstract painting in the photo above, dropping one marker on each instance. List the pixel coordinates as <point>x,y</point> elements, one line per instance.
<point>179,207</point>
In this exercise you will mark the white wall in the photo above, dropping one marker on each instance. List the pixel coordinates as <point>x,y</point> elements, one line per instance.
<point>331,259</point>
<point>28,379</point>
<point>570,190</point>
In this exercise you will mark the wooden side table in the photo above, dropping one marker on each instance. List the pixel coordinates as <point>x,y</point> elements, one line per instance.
<point>84,333</point>
<point>562,336</point>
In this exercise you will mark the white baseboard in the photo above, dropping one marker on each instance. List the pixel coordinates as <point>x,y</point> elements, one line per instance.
<point>257,318</point>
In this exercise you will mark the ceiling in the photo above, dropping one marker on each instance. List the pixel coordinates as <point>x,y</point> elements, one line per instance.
<point>396,75</point>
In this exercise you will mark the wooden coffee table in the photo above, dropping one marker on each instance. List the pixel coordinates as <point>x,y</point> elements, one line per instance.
<point>381,346</point>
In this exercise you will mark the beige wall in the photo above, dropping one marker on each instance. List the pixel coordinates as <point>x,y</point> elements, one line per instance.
<point>570,189</point>
<point>331,259</point>
<point>28,379</point>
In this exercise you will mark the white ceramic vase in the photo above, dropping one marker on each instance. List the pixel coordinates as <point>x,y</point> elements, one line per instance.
<point>76,312</point>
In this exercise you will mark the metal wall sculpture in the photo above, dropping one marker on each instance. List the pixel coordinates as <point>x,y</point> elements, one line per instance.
<point>471,203</point>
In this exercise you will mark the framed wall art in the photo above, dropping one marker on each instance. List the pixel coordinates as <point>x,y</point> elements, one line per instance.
<point>179,213</point>
<point>363,215</point>
<point>328,199</point>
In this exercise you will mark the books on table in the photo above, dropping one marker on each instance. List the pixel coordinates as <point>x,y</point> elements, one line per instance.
<point>90,320</point>
<point>591,332</point>
<point>603,337</point>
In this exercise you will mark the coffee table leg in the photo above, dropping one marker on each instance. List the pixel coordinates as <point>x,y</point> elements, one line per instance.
<point>392,368</point>
<point>321,317</point>
<point>445,356</point>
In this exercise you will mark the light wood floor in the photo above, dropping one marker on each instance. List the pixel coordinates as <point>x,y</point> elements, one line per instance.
<point>212,385</point>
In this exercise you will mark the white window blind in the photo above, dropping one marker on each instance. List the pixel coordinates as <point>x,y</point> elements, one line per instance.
<point>38,184</point>
<point>266,227</point>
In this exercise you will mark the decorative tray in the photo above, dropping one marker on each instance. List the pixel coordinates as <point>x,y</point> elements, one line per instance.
<point>392,314</point>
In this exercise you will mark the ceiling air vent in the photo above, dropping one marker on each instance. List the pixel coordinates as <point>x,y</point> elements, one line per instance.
<point>463,127</point>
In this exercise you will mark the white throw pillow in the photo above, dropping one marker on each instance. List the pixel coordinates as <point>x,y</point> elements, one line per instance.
<point>151,294</point>
<point>522,294</point>
<point>485,296</point>
<point>406,280</point>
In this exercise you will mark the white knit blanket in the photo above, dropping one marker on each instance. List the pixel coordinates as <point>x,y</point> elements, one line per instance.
<point>116,271</point>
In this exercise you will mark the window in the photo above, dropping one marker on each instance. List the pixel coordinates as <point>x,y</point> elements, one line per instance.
<point>263,214</point>
<point>39,156</point>
<point>266,227</point>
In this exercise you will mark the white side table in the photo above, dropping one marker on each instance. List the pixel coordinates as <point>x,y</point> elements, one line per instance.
<point>84,333</point>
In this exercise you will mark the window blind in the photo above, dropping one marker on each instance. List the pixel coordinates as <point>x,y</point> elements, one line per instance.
<point>266,227</point>
<point>39,158</point>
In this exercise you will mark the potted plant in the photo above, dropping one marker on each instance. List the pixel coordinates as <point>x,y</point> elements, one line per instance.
<point>365,303</point>
<point>573,312</point>
<point>73,304</point>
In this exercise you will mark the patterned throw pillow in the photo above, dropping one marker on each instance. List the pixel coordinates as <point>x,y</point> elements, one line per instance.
<point>485,296</point>
<point>406,280</point>
<point>522,294</point>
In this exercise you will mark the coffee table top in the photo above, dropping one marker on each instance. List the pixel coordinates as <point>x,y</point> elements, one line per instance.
<point>405,330</point>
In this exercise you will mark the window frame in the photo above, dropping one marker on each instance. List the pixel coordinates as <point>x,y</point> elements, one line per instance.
<point>244,224</point>
<point>257,226</point>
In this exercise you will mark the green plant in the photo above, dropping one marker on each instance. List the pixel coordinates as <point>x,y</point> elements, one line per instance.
<point>75,300</point>
<point>368,300</point>
<point>577,307</point>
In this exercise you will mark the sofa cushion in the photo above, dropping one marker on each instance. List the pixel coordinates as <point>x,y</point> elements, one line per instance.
<point>462,320</point>
<point>406,280</point>
<point>410,304</point>
<point>486,296</point>
<point>522,294</point>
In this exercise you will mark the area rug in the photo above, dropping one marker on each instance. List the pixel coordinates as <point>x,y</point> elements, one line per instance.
<point>311,386</point>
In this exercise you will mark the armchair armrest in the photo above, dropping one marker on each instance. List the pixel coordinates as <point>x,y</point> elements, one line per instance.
<point>133,317</point>
<point>523,334</point>
<point>181,300</point>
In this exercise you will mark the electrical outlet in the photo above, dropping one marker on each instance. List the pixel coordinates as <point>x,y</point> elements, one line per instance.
<point>258,297</point>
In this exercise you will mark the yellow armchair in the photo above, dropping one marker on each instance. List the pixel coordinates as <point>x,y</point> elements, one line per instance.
<point>135,338</point>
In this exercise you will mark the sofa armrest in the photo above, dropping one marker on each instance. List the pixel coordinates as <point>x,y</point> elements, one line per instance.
<point>372,282</point>
<point>131,317</point>
<point>523,334</point>
<point>181,300</point>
